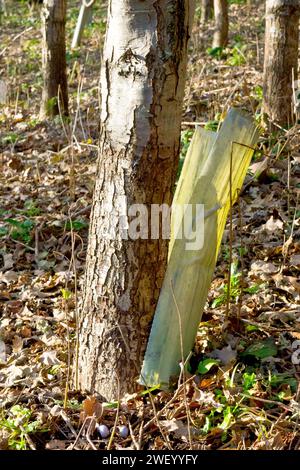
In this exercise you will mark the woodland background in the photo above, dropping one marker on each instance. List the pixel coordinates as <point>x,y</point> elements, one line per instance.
<point>245,394</point>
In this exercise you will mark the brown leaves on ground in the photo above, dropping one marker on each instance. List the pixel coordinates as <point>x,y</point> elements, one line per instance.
<point>247,397</point>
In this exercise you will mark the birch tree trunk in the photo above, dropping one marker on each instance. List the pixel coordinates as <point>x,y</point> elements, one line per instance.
<point>55,90</point>
<point>281,59</point>
<point>142,88</point>
<point>221,23</point>
<point>206,10</point>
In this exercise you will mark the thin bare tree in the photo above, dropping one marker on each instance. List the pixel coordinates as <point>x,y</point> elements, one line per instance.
<point>220,38</point>
<point>55,89</point>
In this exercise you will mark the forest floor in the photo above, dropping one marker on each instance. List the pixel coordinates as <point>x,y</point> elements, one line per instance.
<point>245,391</point>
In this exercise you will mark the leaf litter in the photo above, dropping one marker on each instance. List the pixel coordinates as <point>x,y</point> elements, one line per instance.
<point>241,388</point>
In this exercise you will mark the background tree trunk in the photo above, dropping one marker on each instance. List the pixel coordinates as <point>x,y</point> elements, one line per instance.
<point>54,58</point>
<point>221,23</point>
<point>142,89</point>
<point>207,7</point>
<point>281,58</point>
<point>2,8</point>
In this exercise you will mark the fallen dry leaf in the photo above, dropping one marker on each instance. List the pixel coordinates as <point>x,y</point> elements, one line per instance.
<point>91,407</point>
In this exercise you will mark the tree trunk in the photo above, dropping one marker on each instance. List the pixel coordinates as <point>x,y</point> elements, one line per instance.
<point>207,7</point>
<point>2,8</point>
<point>281,59</point>
<point>221,23</point>
<point>142,88</point>
<point>55,90</point>
<point>85,17</point>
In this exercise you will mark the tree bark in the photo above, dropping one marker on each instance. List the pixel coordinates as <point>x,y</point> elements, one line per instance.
<point>85,17</point>
<point>221,23</point>
<point>55,90</point>
<point>281,59</point>
<point>3,10</point>
<point>142,88</point>
<point>207,7</point>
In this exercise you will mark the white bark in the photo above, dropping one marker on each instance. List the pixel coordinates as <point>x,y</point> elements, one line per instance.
<point>142,88</point>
